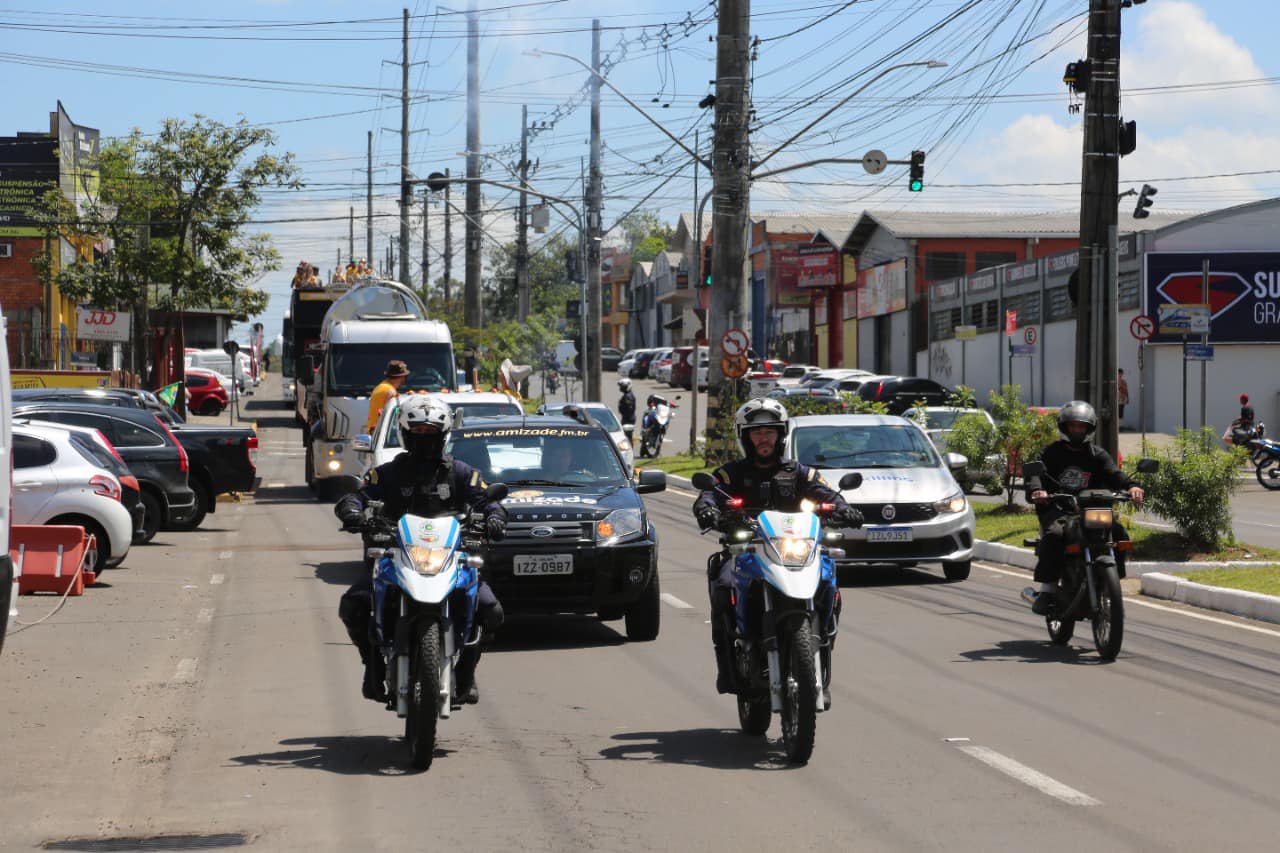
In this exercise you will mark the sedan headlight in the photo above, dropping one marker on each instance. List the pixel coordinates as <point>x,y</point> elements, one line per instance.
<point>792,551</point>
<point>428,561</point>
<point>624,445</point>
<point>951,504</point>
<point>619,525</point>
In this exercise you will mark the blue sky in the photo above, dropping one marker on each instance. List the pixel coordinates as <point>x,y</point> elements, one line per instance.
<point>119,65</point>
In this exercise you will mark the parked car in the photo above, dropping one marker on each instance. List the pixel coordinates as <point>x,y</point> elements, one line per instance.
<point>208,396</point>
<point>131,398</point>
<point>609,358</point>
<point>604,416</point>
<point>822,398</point>
<point>55,481</point>
<point>221,460</point>
<point>704,369</point>
<point>640,367</point>
<point>148,447</point>
<point>662,373</point>
<point>912,506</point>
<point>833,378</point>
<point>939,422</point>
<point>627,361</point>
<point>900,393</point>
<point>656,362</point>
<point>682,366</point>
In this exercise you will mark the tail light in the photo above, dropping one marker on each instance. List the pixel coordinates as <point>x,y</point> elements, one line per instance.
<point>826,508</point>
<point>251,450</point>
<point>735,503</point>
<point>129,481</point>
<point>183,464</point>
<point>106,442</point>
<point>105,486</point>
<point>879,389</point>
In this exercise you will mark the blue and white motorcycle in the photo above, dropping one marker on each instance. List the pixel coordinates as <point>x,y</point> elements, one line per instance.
<point>426,577</point>
<point>781,652</point>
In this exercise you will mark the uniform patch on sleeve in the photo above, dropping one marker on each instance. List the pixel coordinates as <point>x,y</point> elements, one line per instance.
<point>372,477</point>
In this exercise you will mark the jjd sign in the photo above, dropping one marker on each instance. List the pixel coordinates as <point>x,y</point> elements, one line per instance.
<point>94,324</point>
<point>1243,299</point>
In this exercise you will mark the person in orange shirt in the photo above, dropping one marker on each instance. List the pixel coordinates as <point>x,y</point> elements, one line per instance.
<point>385,391</point>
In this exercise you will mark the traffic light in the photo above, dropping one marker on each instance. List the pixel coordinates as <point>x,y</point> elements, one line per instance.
<point>1144,201</point>
<point>706,265</point>
<point>1128,138</point>
<point>917,172</point>
<point>571,264</point>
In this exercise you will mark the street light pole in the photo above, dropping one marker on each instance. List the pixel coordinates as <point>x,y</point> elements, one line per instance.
<point>591,378</point>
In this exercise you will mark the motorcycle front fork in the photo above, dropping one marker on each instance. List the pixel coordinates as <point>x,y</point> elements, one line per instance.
<point>404,652</point>
<point>775,661</point>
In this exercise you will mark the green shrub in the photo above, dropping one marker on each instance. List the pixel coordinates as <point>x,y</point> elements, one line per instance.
<point>1019,435</point>
<point>1193,486</point>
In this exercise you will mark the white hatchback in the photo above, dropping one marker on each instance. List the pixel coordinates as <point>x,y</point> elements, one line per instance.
<point>54,482</point>
<point>912,507</point>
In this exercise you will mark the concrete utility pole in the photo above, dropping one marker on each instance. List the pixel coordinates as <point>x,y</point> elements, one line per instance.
<point>522,223</point>
<point>471,293</point>
<point>406,190</point>
<point>426,243</point>
<point>351,232</point>
<point>591,378</point>
<point>368,203</point>
<point>730,168</point>
<point>448,242</point>
<point>1096,303</point>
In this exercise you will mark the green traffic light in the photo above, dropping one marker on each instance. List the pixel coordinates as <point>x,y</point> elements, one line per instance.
<point>916,185</point>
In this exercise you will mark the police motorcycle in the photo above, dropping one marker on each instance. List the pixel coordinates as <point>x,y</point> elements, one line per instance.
<point>654,423</point>
<point>426,578</point>
<point>782,661</point>
<point>1090,587</point>
<point>1265,453</point>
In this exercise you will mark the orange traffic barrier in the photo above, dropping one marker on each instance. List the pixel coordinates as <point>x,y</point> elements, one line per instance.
<point>52,558</point>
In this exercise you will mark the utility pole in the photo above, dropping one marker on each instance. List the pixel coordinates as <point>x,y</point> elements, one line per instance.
<point>730,167</point>
<point>351,232</point>
<point>1095,366</point>
<point>591,389</point>
<point>426,244</point>
<point>368,204</point>
<point>471,292</point>
<point>448,241</point>
<point>522,223</point>
<point>406,191</point>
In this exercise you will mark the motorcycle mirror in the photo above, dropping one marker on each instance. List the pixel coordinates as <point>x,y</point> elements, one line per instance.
<point>1148,466</point>
<point>852,480</point>
<point>1033,469</point>
<point>703,482</point>
<point>496,492</point>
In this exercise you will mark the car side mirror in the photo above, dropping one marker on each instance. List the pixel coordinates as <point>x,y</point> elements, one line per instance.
<point>1148,466</point>
<point>1032,469</point>
<point>306,370</point>
<point>496,492</point>
<point>362,444</point>
<point>651,481</point>
<point>956,461</point>
<point>852,480</point>
<point>703,482</point>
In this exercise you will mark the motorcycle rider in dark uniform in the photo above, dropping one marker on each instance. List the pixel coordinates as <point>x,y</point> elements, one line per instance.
<point>627,402</point>
<point>1072,464</point>
<point>765,481</point>
<point>422,481</point>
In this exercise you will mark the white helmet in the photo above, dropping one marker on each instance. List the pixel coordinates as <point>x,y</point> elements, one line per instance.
<point>416,411</point>
<point>762,411</point>
<point>624,384</point>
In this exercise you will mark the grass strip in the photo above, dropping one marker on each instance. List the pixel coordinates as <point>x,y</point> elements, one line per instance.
<point>1263,579</point>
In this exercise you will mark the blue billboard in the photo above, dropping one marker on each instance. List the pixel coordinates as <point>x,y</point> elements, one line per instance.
<point>1243,297</point>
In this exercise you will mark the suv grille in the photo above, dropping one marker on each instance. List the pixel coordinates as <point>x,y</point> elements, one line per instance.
<point>520,530</point>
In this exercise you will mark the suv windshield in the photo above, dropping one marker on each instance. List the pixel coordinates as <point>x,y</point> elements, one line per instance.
<point>354,369</point>
<point>864,446</point>
<point>540,456</point>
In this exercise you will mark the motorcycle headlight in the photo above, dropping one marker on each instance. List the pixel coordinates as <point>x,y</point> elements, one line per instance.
<point>619,525</point>
<point>428,561</point>
<point>792,551</point>
<point>1098,519</point>
<point>951,504</point>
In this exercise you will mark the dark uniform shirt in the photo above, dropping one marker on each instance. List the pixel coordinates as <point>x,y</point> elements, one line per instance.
<point>447,486</point>
<point>1074,469</point>
<point>781,487</point>
<point>627,407</point>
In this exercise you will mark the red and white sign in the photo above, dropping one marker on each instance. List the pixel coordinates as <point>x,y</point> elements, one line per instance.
<point>94,324</point>
<point>1010,323</point>
<point>1030,334</point>
<point>819,265</point>
<point>735,342</point>
<point>1142,327</point>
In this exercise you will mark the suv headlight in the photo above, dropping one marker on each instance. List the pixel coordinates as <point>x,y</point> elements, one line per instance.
<point>792,551</point>
<point>619,525</point>
<point>951,504</point>
<point>428,561</point>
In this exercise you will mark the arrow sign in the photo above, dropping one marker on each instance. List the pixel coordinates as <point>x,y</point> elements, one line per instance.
<point>1142,327</point>
<point>874,161</point>
<point>734,342</point>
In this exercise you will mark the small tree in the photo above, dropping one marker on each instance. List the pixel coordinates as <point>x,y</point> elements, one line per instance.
<point>1018,435</point>
<point>1194,485</point>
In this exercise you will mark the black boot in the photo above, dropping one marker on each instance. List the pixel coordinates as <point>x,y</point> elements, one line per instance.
<point>374,683</point>
<point>464,677</point>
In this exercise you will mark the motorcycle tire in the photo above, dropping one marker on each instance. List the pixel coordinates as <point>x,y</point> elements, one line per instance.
<point>1268,473</point>
<point>424,696</point>
<point>754,715</point>
<point>799,690</point>
<point>1108,618</point>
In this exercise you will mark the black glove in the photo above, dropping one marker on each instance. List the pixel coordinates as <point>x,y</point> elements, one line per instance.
<point>848,517</point>
<point>495,527</point>
<point>351,520</point>
<point>708,517</point>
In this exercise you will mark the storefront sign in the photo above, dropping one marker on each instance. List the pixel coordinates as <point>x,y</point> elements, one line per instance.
<point>819,265</point>
<point>883,289</point>
<point>1244,293</point>
<point>94,324</point>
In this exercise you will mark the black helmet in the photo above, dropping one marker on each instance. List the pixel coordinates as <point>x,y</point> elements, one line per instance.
<point>1081,412</point>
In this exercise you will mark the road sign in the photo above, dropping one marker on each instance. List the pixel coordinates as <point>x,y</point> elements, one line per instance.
<point>874,161</point>
<point>735,342</point>
<point>1010,323</point>
<point>1030,335</point>
<point>1179,319</point>
<point>1142,327</point>
<point>966,333</point>
<point>1199,352</point>
<point>734,366</point>
<point>1023,350</point>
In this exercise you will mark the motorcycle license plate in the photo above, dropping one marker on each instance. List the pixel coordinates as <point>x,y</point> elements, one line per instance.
<point>889,534</point>
<point>542,564</point>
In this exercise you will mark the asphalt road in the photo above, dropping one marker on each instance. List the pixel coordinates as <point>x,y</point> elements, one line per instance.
<point>207,688</point>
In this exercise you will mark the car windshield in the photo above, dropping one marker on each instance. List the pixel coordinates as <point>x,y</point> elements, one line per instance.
<point>354,369</point>
<point>864,446</point>
<point>530,456</point>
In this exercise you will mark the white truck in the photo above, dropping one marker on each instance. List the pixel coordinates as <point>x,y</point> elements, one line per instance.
<point>370,325</point>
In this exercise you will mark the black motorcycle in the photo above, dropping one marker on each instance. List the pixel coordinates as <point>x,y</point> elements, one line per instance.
<point>1090,586</point>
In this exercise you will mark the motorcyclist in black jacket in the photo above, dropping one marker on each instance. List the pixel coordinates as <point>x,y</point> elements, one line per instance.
<point>627,402</point>
<point>1072,464</point>
<point>423,481</point>
<point>765,481</point>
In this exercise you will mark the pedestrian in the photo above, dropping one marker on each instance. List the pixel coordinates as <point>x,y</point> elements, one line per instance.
<point>1122,395</point>
<point>266,362</point>
<point>385,391</point>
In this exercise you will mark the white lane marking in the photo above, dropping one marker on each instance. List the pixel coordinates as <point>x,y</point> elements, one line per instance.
<point>185,672</point>
<point>675,602</point>
<point>224,555</point>
<point>217,579</point>
<point>1029,776</point>
<point>205,615</point>
<point>1166,608</point>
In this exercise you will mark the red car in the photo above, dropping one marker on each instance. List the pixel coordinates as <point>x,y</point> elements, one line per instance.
<point>207,396</point>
